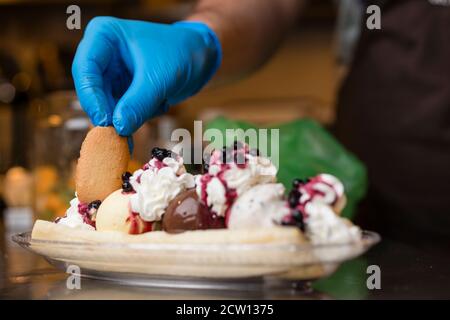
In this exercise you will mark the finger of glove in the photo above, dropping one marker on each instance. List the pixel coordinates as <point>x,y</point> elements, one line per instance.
<point>141,102</point>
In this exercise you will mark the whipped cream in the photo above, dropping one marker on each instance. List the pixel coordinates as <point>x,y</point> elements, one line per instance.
<point>260,206</point>
<point>156,185</point>
<point>324,188</point>
<point>324,226</point>
<point>73,218</point>
<point>225,182</point>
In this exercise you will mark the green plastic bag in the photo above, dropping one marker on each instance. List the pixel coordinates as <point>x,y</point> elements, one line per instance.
<point>307,149</point>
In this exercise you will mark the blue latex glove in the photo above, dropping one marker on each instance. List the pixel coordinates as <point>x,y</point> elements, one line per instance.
<point>127,71</point>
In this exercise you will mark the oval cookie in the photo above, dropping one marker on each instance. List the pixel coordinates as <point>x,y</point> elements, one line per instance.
<point>104,156</point>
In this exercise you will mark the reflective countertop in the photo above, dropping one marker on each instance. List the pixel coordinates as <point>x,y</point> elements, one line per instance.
<point>407,271</point>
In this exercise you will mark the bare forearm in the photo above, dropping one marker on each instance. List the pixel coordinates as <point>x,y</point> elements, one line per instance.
<point>249,30</point>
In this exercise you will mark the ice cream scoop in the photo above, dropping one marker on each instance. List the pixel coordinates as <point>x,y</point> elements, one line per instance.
<point>315,205</point>
<point>115,214</point>
<point>260,206</point>
<point>231,172</point>
<point>158,183</point>
<point>324,226</point>
<point>186,212</point>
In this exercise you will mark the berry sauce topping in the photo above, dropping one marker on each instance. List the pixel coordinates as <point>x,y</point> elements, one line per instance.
<point>230,193</point>
<point>295,218</point>
<point>137,225</point>
<point>89,211</point>
<point>304,191</point>
<point>324,188</point>
<point>126,184</point>
<point>224,160</point>
<point>204,180</point>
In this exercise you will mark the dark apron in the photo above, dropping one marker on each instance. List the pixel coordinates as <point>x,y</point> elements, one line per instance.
<point>394,113</point>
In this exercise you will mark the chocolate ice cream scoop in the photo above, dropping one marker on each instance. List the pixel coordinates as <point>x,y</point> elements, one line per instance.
<point>185,212</point>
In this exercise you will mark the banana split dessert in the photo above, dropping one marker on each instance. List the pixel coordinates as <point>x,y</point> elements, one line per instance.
<point>237,200</point>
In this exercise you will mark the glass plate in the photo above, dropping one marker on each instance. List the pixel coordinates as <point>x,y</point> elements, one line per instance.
<point>248,266</point>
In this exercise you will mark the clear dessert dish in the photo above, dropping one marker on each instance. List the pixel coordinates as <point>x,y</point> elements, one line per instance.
<point>165,226</point>
<point>193,265</point>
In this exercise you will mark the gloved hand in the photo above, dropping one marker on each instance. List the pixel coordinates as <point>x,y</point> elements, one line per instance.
<point>127,71</point>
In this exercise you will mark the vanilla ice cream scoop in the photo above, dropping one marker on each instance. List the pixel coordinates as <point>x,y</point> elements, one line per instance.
<point>260,206</point>
<point>315,205</point>
<point>324,226</point>
<point>115,214</point>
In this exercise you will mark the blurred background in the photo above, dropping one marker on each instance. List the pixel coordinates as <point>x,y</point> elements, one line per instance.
<point>42,124</point>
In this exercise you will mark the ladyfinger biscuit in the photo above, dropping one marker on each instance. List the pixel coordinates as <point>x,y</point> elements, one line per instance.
<point>104,156</point>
